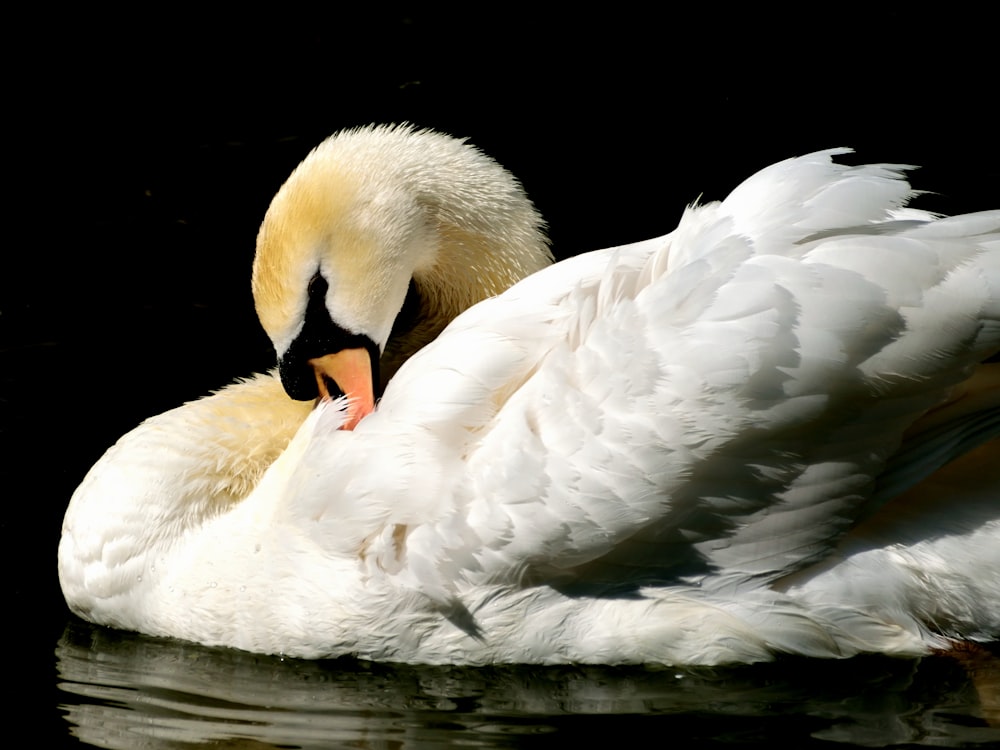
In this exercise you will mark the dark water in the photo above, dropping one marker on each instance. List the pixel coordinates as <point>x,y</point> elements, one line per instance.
<point>125,691</point>
<point>144,152</point>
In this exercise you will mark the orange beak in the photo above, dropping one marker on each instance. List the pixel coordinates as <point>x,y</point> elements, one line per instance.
<point>351,371</point>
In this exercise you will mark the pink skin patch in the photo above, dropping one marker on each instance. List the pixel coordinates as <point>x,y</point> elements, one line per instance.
<point>351,370</point>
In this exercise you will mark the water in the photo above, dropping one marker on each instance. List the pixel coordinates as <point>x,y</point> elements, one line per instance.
<point>121,690</point>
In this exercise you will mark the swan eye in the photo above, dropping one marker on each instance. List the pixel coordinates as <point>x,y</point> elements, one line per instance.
<point>317,287</point>
<point>320,335</point>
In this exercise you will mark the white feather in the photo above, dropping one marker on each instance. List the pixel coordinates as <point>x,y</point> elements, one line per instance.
<point>702,448</point>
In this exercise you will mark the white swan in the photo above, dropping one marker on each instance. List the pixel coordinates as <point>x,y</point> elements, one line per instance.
<point>714,446</point>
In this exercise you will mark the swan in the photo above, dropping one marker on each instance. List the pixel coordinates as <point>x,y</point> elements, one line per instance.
<point>771,431</point>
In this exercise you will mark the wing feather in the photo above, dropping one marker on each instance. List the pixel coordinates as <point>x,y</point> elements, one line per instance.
<point>714,406</point>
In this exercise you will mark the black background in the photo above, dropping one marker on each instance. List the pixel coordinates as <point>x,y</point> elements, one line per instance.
<point>143,151</point>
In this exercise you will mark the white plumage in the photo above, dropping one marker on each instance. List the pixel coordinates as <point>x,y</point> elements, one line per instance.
<point>706,447</point>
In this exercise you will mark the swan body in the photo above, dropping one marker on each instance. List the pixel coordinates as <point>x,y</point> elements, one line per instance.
<point>769,431</point>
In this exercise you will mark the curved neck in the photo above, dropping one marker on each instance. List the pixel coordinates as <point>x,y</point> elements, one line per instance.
<point>468,267</point>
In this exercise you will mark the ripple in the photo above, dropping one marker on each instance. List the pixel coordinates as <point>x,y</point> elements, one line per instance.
<point>123,690</point>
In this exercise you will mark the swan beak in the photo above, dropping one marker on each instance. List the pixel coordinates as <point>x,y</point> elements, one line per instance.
<point>351,372</point>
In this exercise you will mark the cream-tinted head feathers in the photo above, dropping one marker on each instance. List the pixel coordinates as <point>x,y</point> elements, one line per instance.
<point>373,208</point>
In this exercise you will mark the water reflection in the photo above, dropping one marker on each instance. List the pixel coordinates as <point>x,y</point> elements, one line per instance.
<point>126,691</point>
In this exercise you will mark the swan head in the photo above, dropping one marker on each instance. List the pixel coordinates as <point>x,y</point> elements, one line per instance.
<point>375,242</point>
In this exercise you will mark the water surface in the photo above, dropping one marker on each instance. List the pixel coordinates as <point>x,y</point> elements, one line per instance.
<point>121,690</point>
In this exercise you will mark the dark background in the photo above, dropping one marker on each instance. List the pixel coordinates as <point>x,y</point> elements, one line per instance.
<point>145,149</point>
